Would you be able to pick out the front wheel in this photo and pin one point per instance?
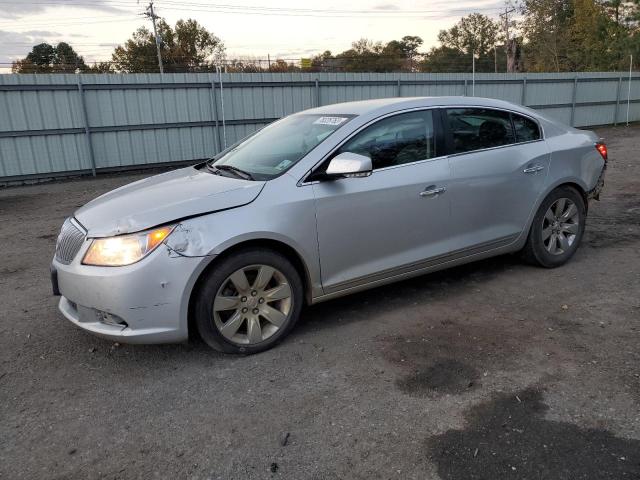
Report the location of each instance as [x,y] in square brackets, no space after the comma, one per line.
[557,228]
[248,302]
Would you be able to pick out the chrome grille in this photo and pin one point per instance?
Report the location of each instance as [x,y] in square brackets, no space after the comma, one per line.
[69,242]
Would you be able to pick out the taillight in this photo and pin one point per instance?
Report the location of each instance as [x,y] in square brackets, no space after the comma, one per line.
[602,149]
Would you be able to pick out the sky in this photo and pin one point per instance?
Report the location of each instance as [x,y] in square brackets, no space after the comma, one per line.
[249,28]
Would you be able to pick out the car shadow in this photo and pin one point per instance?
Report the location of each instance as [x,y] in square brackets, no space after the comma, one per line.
[358,306]
[340,311]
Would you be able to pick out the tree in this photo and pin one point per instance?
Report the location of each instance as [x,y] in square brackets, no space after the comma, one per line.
[322,61]
[578,35]
[189,47]
[45,58]
[404,50]
[475,33]
[450,60]
[100,67]
[368,56]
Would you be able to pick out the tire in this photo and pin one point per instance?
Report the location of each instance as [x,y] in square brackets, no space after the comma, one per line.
[542,248]
[242,316]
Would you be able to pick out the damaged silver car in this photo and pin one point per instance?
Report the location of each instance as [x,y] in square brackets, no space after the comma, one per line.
[320,204]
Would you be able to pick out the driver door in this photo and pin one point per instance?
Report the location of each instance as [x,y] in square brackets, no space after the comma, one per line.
[394,220]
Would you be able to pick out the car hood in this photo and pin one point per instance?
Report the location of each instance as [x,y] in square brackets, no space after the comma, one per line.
[160,199]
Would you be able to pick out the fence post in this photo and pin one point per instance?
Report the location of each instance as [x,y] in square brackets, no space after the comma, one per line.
[617,107]
[87,130]
[465,87]
[573,101]
[224,125]
[399,89]
[317,93]
[629,87]
[214,112]
[523,101]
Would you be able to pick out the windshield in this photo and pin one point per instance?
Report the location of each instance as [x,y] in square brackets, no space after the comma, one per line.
[279,146]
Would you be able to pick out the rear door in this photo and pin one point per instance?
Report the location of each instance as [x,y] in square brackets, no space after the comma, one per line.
[498,166]
[390,222]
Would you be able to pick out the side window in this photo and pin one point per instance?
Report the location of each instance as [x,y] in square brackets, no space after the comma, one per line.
[477,128]
[526,129]
[403,138]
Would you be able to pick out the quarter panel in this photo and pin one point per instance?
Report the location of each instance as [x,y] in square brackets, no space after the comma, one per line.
[574,159]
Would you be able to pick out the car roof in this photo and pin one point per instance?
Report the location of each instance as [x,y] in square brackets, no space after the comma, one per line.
[382,106]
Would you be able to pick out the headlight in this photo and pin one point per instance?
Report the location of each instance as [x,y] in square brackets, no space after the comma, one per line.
[124,249]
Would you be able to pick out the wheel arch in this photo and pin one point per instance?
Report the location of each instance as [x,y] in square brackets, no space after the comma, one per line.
[576,185]
[265,243]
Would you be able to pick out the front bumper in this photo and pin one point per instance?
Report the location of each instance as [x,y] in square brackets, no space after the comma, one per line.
[146,302]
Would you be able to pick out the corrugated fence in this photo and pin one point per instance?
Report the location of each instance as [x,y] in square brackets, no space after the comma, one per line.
[67,124]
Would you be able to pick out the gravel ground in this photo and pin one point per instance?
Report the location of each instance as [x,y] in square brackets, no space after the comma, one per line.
[495,370]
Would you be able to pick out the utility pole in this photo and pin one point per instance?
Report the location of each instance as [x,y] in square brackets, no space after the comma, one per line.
[507,45]
[151,14]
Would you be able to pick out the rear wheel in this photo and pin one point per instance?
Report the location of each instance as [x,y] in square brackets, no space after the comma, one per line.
[557,228]
[249,302]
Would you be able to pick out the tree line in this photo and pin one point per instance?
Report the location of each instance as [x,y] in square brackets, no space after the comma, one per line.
[550,35]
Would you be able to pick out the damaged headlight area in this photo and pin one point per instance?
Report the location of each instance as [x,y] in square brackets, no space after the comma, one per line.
[125,249]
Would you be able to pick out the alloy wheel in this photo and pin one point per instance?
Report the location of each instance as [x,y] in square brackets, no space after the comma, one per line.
[252,304]
[560,226]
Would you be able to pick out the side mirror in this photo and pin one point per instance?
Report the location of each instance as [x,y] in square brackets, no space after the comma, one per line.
[348,164]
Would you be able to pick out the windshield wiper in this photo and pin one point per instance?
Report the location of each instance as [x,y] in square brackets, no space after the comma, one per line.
[211,167]
[230,168]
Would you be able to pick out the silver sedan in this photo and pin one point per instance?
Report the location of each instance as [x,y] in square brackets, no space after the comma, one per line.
[320,204]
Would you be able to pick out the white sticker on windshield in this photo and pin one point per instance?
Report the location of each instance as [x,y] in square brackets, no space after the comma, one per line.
[283,164]
[330,120]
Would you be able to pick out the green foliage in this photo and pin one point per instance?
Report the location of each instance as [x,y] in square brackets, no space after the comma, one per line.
[475,33]
[368,56]
[45,58]
[188,47]
[579,35]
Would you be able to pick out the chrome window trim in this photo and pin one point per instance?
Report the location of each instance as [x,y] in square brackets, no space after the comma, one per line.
[500,109]
[302,182]
[494,148]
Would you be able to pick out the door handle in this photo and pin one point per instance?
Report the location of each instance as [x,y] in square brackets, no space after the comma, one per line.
[534,169]
[431,192]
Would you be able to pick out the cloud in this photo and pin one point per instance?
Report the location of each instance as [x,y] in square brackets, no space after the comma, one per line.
[18,9]
[386,7]
[15,42]
[37,33]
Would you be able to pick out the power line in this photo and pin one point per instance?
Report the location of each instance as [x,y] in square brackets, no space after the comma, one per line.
[268,11]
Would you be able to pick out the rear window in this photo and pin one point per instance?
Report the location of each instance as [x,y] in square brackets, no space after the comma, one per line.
[526,129]
[479,128]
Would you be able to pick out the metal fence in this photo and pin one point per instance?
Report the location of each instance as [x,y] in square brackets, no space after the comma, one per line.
[67,124]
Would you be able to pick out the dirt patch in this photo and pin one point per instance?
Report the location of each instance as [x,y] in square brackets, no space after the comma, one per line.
[508,437]
[616,223]
[450,355]
[48,236]
[444,376]
[10,270]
